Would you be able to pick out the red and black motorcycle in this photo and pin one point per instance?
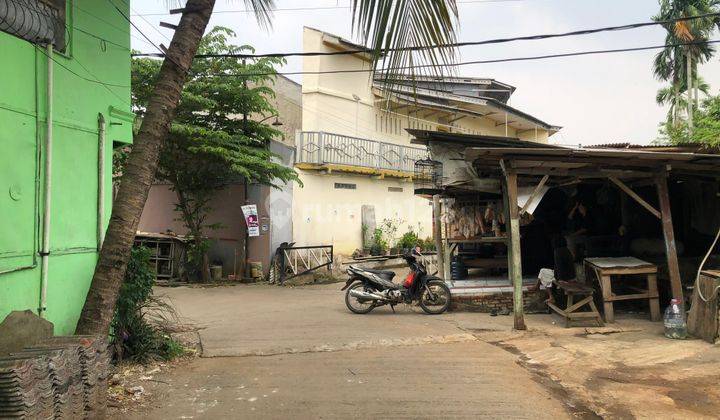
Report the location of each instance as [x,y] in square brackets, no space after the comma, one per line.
[368,289]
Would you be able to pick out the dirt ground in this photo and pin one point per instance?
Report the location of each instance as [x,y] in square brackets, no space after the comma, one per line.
[275,352]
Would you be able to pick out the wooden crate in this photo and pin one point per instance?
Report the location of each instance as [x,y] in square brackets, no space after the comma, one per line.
[704,318]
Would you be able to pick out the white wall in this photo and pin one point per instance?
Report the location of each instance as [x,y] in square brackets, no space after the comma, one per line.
[324,215]
[344,103]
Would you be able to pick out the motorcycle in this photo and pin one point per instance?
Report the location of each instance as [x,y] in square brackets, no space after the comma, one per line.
[368,289]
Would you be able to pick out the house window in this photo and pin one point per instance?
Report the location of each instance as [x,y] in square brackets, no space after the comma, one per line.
[395,189]
[37,21]
[343,186]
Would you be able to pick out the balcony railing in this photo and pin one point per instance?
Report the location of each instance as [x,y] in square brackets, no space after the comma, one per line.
[320,148]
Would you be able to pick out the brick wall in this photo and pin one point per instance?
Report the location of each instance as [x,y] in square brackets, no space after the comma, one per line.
[534,302]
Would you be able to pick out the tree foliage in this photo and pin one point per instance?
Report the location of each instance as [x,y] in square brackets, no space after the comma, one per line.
[218,136]
[135,336]
[707,126]
[670,64]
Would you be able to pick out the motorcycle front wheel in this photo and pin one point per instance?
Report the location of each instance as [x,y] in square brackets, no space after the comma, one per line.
[358,306]
[435,297]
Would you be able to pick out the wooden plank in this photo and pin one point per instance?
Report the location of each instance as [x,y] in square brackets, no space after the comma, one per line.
[634,296]
[556,309]
[634,195]
[704,318]
[584,315]
[578,305]
[606,286]
[514,257]
[669,234]
[534,194]
[479,240]
[654,303]
[626,270]
[437,235]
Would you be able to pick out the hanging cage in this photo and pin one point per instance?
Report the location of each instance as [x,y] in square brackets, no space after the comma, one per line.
[428,177]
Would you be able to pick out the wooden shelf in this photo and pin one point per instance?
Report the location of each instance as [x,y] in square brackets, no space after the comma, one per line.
[486,262]
[479,240]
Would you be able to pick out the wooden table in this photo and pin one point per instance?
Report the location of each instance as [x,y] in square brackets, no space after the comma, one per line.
[606,268]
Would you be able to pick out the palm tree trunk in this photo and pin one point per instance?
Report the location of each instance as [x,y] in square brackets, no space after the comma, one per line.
[689,93]
[696,83]
[676,100]
[139,172]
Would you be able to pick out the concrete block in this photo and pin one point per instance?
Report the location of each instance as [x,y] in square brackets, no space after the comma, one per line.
[22,329]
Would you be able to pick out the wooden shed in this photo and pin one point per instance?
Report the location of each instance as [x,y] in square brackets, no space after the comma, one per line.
[500,167]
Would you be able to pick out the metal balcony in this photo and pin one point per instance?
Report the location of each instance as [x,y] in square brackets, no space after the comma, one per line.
[320,150]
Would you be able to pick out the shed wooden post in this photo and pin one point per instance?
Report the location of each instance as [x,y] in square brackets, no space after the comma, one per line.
[513,244]
[669,234]
[437,234]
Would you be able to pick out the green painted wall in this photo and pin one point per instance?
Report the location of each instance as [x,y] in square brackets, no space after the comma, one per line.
[99,49]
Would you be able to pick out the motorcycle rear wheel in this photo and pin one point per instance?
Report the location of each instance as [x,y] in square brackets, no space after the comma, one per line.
[354,303]
[439,302]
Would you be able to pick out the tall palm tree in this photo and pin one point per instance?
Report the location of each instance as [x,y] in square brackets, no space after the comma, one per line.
[678,64]
[667,96]
[382,24]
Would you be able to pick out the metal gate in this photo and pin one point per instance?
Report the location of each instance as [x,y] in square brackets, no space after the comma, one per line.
[293,261]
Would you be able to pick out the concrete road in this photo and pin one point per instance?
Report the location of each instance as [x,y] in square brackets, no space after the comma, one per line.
[265,320]
[298,353]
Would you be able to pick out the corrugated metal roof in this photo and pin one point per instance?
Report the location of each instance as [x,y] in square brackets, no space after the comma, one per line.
[423,137]
[680,147]
[597,162]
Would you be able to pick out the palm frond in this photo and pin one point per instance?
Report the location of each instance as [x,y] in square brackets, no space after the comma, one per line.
[407,36]
[261,8]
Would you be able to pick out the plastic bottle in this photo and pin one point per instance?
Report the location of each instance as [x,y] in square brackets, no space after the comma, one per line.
[674,319]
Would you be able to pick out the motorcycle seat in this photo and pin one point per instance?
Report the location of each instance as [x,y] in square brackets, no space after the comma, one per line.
[384,274]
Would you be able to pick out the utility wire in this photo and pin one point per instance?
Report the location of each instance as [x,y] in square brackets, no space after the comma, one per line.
[189,71]
[109,24]
[314,8]
[465,63]
[95,80]
[135,26]
[457,44]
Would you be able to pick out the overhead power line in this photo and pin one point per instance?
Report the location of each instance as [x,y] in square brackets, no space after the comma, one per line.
[492,61]
[465,63]
[317,8]
[456,45]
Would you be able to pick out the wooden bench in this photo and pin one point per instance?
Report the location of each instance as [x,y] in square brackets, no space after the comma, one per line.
[572,311]
[606,268]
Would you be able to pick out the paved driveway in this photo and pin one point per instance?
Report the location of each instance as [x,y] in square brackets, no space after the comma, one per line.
[272,352]
[265,320]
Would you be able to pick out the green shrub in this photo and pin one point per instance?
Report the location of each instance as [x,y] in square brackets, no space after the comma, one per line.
[134,336]
[428,244]
[409,240]
[379,245]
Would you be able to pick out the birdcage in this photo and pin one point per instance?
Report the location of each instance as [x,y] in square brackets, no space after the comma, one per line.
[428,176]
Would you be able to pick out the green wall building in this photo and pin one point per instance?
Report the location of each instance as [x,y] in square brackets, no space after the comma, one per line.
[89,83]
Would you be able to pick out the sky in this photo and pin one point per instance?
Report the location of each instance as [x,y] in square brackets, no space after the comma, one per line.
[596,99]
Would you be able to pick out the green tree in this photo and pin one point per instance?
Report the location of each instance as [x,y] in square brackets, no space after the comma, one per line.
[214,141]
[678,64]
[707,126]
[381,24]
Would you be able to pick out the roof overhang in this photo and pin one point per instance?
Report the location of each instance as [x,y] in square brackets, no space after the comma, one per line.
[562,162]
[471,140]
[480,106]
